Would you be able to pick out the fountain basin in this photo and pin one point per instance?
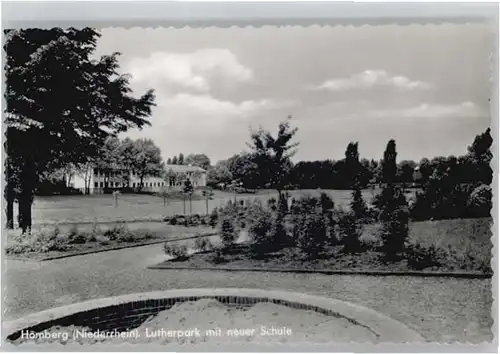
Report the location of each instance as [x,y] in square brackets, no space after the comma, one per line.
[287,317]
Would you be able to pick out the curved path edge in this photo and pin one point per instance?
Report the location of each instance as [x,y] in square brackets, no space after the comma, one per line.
[467,275]
[107,249]
[388,329]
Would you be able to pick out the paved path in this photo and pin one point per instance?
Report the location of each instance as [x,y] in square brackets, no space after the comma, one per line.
[439,308]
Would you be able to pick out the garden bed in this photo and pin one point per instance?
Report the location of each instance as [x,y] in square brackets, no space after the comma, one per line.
[53,243]
[240,257]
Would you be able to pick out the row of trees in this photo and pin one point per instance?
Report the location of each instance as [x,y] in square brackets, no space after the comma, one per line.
[62,105]
[200,160]
[470,168]
[118,157]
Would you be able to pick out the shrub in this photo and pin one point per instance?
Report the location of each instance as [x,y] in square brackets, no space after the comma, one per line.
[75,237]
[420,257]
[45,241]
[181,220]
[479,202]
[119,233]
[179,252]
[311,233]
[214,217]
[395,219]
[227,231]
[126,236]
[272,204]
[217,257]
[73,231]
[114,233]
[327,203]
[263,228]
[358,205]
[444,198]
[203,244]
[349,232]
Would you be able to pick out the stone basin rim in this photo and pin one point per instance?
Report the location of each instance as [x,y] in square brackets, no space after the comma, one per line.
[387,328]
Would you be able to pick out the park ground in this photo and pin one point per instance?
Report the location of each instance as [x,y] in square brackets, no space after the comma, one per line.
[143,207]
[441,309]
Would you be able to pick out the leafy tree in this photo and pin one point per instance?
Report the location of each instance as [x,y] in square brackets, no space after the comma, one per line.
[200,160]
[244,169]
[174,161]
[315,174]
[65,101]
[128,155]
[425,169]
[146,160]
[169,161]
[366,173]
[272,154]
[219,174]
[187,190]
[480,156]
[352,167]
[109,155]
[405,171]
[389,168]
[180,160]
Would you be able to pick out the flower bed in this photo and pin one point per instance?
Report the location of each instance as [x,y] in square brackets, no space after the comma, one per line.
[48,242]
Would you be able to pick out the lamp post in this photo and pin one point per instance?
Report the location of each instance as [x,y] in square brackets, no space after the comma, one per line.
[115,197]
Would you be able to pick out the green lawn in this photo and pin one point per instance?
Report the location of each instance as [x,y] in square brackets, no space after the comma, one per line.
[132,207]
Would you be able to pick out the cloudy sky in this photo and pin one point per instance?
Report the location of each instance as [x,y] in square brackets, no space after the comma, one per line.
[425,86]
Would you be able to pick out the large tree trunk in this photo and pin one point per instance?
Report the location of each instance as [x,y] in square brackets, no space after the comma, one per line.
[141,182]
[9,196]
[26,195]
[24,217]
[9,210]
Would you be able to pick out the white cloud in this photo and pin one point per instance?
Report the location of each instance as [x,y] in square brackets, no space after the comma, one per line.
[195,71]
[201,107]
[370,79]
[201,123]
[462,110]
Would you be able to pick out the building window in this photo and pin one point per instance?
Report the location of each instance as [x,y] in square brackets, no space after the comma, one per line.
[133,184]
[101,184]
[96,184]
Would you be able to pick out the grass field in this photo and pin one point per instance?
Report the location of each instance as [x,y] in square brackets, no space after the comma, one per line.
[133,207]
